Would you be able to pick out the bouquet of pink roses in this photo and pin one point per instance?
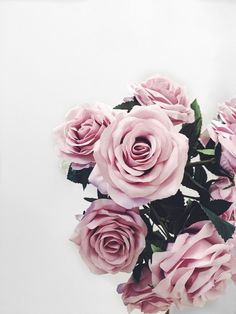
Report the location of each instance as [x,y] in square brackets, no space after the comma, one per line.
[165,208]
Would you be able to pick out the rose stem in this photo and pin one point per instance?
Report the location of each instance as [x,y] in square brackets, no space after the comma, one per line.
[198,163]
[192,197]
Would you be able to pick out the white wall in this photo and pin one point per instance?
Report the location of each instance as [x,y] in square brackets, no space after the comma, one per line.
[54,54]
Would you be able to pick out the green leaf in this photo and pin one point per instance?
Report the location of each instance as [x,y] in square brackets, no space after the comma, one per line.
[155,248]
[100,195]
[218,152]
[190,181]
[89,199]
[219,206]
[195,214]
[200,175]
[79,176]
[196,108]
[193,130]
[168,212]
[207,152]
[137,271]
[128,105]
[224,228]
[215,166]
[169,206]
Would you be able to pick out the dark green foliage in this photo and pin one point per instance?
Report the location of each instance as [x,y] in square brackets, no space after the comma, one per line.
[89,199]
[128,105]
[224,228]
[217,207]
[79,176]
[100,195]
[193,130]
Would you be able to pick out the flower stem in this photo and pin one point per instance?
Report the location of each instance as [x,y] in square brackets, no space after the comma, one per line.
[201,162]
[162,225]
[196,183]
[192,197]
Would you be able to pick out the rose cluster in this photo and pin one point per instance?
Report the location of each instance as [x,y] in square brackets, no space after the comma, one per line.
[141,156]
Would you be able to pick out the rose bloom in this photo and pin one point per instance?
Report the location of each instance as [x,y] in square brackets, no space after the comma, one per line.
[223,130]
[228,156]
[139,295]
[230,215]
[228,145]
[110,238]
[195,268]
[225,123]
[140,157]
[227,111]
[221,190]
[168,96]
[81,129]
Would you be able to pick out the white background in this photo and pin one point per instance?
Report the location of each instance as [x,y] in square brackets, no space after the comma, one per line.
[53,55]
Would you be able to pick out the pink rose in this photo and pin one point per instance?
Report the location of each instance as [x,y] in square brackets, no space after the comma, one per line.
[221,190]
[227,111]
[141,157]
[82,128]
[223,130]
[169,97]
[230,216]
[195,268]
[228,156]
[217,129]
[110,238]
[139,295]
[225,123]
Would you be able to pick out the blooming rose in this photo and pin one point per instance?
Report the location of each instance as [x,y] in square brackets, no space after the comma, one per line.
[218,129]
[82,128]
[141,157]
[225,123]
[228,156]
[228,146]
[169,97]
[110,238]
[223,130]
[230,216]
[139,295]
[227,111]
[221,190]
[195,268]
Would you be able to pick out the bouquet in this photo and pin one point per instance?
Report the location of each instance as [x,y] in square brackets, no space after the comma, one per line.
[165,206]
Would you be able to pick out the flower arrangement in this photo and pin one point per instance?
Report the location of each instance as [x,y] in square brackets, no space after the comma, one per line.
[165,209]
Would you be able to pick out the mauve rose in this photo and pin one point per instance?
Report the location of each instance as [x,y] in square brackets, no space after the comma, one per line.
[227,111]
[139,295]
[81,129]
[225,123]
[230,215]
[168,96]
[223,130]
[140,157]
[228,156]
[110,237]
[218,129]
[195,268]
[222,189]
